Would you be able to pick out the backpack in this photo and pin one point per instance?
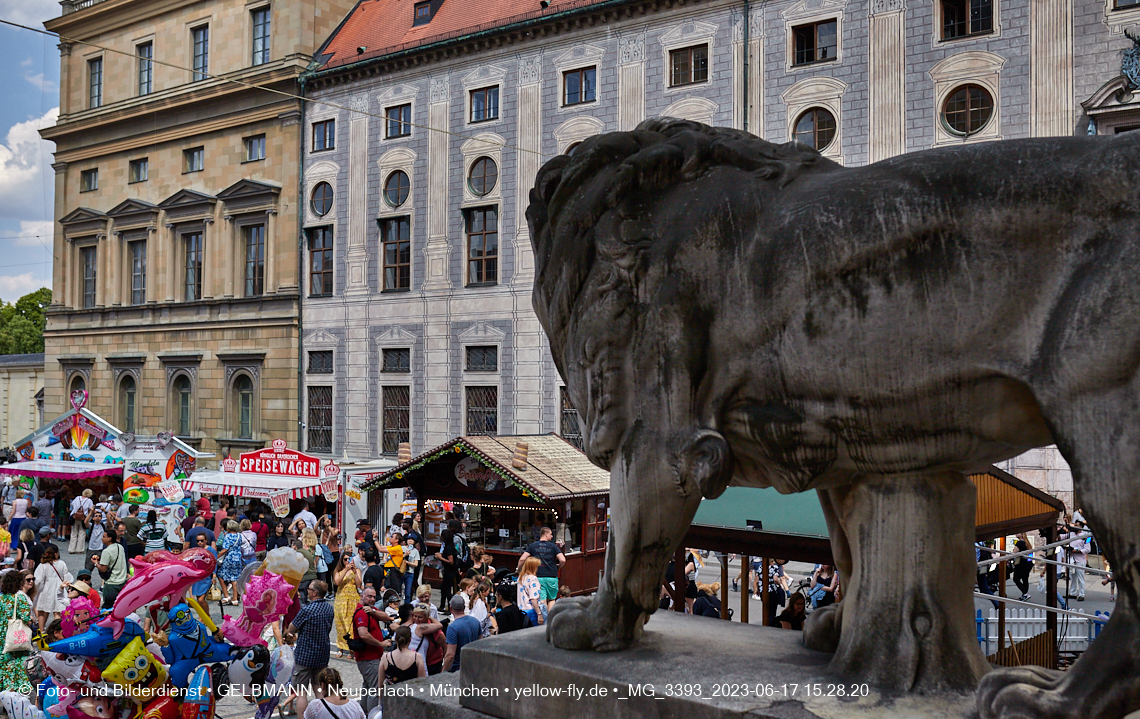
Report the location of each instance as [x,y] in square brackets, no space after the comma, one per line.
[463,560]
[79,514]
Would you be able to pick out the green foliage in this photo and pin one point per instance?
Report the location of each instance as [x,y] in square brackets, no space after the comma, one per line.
[22,324]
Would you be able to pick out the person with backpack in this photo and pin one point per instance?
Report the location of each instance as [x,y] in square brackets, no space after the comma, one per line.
[454,559]
[80,507]
[394,567]
[507,616]
[1022,566]
[707,604]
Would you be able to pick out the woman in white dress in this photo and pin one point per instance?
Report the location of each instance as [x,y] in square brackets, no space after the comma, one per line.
[51,576]
[331,700]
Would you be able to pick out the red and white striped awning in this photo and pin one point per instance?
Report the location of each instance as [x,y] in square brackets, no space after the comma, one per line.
[256,486]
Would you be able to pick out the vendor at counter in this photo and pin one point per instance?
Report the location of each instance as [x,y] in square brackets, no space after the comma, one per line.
[551,557]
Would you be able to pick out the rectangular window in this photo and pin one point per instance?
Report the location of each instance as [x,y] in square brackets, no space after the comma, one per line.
[571,423]
[138,272]
[183,389]
[397,418]
[397,359]
[321,362]
[482,246]
[254,260]
[320,419]
[399,121]
[596,525]
[192,244]
[321,262]
[690,65]
[146,68]
[201,38]
[483,358]
[580,86]
[129,406]
[245,408]
[1121,4]
[485,104]
[261,36]
[423,13]
[139,170]
[88,257]
[324,135]
[95,82]
[254,148]
[961,18]
[397,253]
[89,180]
[194,159]
[482,410]
[815,42]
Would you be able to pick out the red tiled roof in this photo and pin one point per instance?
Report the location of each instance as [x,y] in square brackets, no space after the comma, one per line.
[385,26]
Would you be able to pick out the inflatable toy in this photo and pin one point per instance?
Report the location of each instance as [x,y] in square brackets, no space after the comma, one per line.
[18,706]
[266,599]
[138,671]
[199,701]
[89,706]
[190,644]
[162,708]
[170,578]
[70,670]
[248,672]
[98,642]
[276,683]
[76,617]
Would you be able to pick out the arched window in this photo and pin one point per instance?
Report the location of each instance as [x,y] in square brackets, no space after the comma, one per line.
[967,109]
[243,404]
[182,396]
[815,128]
[128,402]
[77,382]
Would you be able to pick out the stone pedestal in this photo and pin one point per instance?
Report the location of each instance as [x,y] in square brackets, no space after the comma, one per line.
[685,667]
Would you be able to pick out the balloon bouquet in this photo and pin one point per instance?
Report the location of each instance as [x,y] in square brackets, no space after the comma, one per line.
[108,667]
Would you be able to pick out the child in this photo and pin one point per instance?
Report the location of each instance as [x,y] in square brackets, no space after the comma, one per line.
[563,592]
[5,538]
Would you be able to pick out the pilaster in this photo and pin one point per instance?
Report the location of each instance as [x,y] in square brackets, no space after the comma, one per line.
[887,72]
[356,260]
[631,80]
[1051,107]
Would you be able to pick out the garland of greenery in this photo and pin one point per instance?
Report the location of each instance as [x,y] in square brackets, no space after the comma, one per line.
[462,448]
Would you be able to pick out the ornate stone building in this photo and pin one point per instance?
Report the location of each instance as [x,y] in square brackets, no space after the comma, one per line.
[176,299]
[430,119]
[21,396]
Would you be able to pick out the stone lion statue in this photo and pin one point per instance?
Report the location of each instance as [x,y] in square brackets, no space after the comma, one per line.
[726,311]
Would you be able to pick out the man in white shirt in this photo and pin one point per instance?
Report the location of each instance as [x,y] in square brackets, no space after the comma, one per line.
[123,508]
[80,507]
[307,517]
[1078,555]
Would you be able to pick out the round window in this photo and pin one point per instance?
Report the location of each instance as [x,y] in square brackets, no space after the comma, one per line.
[396,188]
[815,128]
[967,109]
[484,175]
[322,198]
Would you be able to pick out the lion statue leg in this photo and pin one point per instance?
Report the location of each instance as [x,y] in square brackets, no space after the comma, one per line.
[1100,439]
[657,480]
[904,549]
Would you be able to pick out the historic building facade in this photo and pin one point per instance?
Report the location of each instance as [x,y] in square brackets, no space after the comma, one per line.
[176,298]
[21,396]
[426,128]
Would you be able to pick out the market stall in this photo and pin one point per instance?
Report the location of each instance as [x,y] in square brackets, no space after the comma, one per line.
[276,474]
[508,487]
[80,450]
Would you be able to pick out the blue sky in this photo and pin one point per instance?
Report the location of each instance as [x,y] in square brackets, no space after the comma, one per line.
[29,100]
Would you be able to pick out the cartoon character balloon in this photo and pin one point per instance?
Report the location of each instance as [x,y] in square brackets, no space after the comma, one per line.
[249,670]
[170,578]
[71,669]
[280,674]
[190,645]
[76,616]
[136,669]
[266,599]
[90,706]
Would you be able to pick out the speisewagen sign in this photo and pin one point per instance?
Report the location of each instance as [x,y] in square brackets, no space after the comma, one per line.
[279,460]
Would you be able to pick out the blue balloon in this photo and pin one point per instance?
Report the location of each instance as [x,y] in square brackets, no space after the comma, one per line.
[98,642]
[190,644]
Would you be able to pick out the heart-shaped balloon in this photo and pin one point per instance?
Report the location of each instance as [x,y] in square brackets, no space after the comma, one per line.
[164,439]
[78,399]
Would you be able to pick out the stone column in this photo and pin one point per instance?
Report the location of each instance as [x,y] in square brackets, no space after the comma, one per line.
[60,280]
[748,101]
[1051,107]
[437,286]
[270,254]
[115,248]
[170,253]
[208,254]
[356,260]
[151,269]
[229,258]
[103,270]
[887,73]
[631,81]
[528,353]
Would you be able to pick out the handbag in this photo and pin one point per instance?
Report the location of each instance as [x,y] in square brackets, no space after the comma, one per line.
[61,591]
[18,637]
[355,643]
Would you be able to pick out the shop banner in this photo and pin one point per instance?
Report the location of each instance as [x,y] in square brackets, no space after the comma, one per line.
[331,489]
[171,491]
[280,502]
[278,460]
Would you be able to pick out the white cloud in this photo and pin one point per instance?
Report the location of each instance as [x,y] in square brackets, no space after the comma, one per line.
[34,233]
[26,177]
[13,287]
[32,13]
[43,84]
[26,62]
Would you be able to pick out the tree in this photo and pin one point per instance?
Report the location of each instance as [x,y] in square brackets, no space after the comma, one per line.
[22,324]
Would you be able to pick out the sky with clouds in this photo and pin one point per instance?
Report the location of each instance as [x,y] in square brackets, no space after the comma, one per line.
[29,100]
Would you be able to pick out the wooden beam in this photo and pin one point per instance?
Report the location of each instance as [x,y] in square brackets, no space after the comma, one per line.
[759,543]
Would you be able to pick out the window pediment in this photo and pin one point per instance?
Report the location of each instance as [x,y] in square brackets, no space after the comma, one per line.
[808,9]
[397,93]
[83,219]
[579,56]
[247,194]
[688,32]
[397,336]
[188,204]
[485,75]
[482,332]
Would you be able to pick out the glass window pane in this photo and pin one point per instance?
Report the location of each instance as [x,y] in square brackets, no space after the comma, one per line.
[589,85]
